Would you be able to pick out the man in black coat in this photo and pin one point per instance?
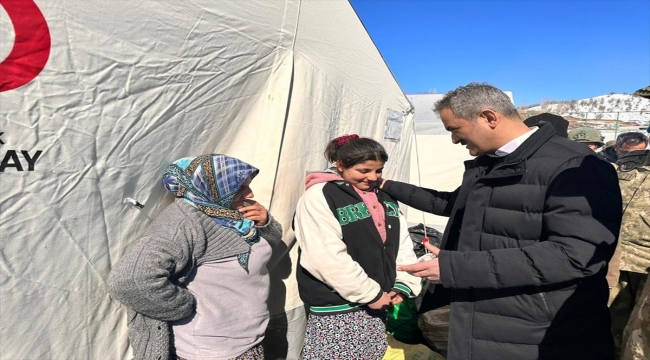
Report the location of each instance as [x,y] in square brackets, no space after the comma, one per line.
[531,229]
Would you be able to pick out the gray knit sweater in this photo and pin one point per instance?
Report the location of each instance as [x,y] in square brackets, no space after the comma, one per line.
[148,278]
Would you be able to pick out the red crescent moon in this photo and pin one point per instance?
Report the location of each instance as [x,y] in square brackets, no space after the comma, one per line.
[31,48]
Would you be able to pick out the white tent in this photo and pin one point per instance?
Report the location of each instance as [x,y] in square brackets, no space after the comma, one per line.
[126,88]
[436,163]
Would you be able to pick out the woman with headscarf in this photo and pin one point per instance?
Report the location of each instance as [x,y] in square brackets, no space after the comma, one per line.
[196,285]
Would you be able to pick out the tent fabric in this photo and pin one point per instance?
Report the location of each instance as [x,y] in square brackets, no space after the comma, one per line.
[436,162]
[130,87]
[440,167]
[427,122]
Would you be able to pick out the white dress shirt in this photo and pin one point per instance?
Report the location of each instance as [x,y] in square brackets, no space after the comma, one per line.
[510,147]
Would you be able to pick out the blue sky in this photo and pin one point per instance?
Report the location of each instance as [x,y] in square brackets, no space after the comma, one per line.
[539,50]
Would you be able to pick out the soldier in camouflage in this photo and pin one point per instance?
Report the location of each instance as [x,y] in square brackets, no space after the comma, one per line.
[588,136]
[634,238]
[636,338]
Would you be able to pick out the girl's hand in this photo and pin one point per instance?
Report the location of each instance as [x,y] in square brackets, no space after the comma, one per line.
[382,303]
[395,297]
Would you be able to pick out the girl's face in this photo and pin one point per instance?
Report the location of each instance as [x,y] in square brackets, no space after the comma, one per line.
[362,175]
[244,193]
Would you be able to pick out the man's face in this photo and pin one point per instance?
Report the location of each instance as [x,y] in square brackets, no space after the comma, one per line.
[626,149]
[474,135]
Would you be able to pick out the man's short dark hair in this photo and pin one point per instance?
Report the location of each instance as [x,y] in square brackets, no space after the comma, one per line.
[631,139]
[467,102]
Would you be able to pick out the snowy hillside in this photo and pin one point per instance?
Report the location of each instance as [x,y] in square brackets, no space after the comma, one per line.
[602,112]
[606,107]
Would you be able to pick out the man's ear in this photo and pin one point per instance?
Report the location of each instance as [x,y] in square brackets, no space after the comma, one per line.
[490,117]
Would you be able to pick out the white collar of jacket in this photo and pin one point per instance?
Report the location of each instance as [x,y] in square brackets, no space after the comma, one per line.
[510,147]
[515,163]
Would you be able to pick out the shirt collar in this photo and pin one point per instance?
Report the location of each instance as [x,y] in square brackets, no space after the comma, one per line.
[510,147]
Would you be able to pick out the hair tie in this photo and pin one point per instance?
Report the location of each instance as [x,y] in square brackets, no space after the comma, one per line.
[345,138]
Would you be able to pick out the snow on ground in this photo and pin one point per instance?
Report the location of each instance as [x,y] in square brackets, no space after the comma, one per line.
[613,112]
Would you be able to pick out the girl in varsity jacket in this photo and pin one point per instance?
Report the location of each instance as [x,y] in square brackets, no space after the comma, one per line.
[352,238]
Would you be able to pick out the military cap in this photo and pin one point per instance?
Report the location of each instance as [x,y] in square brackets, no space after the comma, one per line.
[587,135]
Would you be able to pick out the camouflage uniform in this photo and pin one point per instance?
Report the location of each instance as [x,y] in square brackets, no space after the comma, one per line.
[613,274]
[633,175]
[634,238]
[636,338]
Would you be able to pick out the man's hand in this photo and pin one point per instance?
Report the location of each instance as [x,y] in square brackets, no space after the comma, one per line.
[379,183]
[382,303]
[427,269]
[255,212]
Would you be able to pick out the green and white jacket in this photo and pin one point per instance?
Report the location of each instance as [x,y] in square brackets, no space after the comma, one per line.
[343,262]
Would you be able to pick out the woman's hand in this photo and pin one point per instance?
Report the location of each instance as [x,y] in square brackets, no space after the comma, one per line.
[383,302]
[255,212]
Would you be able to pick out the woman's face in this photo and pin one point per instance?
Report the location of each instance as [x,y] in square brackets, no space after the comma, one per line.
[244,193]
[362,175]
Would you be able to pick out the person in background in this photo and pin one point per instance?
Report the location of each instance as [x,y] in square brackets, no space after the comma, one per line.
[636,336]
[633,168]
[531,228]
[352,237]
[560,124]
[609,151]
[625,144]
[629,142]
[196,285]
[588,136]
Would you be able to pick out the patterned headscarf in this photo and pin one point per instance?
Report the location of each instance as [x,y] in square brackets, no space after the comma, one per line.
[209,183]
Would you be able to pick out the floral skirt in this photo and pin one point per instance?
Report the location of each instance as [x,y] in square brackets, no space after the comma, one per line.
[255,353]
[356,335]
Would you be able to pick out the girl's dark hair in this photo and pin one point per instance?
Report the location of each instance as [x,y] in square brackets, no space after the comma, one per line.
[355,151]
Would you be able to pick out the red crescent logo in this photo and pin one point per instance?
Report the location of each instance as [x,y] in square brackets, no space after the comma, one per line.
[31,46]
